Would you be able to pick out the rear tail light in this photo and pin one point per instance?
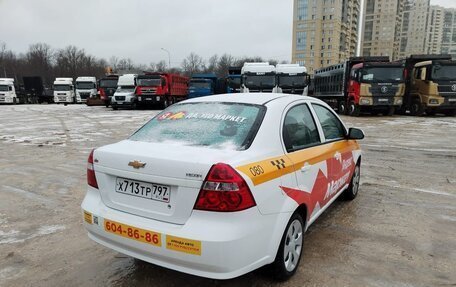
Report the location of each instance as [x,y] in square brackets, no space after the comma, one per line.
[224,190]
[91,179]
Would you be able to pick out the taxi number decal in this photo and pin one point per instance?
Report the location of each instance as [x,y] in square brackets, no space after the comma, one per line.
[256,170]
[138,234]
[183,245]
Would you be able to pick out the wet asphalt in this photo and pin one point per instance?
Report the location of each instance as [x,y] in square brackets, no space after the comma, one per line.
[399,231]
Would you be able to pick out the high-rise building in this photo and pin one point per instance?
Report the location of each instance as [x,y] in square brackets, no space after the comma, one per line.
[413,34]
[448,45]
[381,28]
[434,30]
[325,32]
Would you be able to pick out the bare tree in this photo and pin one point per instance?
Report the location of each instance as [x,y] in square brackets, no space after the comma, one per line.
[224,63]
[193,64]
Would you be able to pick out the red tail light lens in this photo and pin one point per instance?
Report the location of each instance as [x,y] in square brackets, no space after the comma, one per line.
[224,190]
[91,179]
[102,94]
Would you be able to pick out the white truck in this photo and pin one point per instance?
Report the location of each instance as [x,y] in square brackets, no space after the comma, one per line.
[64,91]
[86,87]
[292,79]
[7,91]
[125,93]
[258,77]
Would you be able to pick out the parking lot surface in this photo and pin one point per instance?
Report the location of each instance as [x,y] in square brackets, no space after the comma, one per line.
[400,231]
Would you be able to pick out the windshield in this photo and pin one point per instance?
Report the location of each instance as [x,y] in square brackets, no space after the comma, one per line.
[127,89]
[108,83]
[234,83]
[3,88]
[259,81]
[62,88]
[149,82]
[292,81]
[85,85]
[200,84]
[215,125]
[382,74]
[444,72]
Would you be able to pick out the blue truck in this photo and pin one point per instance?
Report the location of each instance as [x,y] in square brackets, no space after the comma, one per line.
[233,80]
[202,85]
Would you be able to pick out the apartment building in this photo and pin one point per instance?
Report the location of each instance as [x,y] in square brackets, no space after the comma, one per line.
[435,30]
[413,33]
[448,44]
[325,32]
[381,28]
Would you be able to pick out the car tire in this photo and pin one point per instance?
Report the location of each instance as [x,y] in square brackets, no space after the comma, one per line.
[352,191]
[353,109]
[417,109]
[290,249]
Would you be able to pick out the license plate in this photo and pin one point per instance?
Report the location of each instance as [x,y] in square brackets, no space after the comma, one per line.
[382,100]
[148,99]
[452,100]
[134,233]
[142,189]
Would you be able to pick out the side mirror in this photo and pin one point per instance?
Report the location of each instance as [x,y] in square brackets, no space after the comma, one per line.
[355,134]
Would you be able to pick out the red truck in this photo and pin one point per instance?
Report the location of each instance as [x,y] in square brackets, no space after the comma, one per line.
[161,89]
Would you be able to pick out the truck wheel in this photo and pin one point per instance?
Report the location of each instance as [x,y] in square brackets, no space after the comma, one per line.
[134,106]
[290,249]
[353,109]
[14,101]
[114,108]
[450,113]
[352,191]
[431,112]
[417,109]
[165,103]
[342,108]
[389,111]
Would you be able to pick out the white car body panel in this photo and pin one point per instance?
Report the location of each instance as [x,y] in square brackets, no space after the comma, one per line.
[233,243]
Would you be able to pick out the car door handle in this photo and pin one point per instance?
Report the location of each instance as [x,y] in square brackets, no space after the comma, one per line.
[306,168]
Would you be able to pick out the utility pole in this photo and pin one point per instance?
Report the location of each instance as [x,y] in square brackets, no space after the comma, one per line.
[169,57]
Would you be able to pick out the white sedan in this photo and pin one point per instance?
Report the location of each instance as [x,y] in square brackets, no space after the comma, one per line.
[222,185]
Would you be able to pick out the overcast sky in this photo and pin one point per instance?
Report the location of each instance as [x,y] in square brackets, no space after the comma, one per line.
[137,29]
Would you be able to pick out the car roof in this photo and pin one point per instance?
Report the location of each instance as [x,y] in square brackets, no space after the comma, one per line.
[248,98]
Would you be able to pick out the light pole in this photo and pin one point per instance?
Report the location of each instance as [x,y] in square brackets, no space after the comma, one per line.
[169,57]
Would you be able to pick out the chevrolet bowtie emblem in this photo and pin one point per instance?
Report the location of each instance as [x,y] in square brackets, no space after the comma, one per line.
[136,164]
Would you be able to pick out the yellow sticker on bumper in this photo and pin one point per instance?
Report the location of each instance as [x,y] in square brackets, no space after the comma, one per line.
[88,217]
[183,245]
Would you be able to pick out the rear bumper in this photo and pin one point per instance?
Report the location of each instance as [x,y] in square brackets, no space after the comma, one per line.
[231,244]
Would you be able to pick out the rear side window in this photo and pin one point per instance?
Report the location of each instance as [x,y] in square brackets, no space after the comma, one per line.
[332,127]
[299,130]
[215,125]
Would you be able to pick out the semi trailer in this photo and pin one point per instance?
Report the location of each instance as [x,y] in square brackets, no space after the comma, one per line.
[430,85]
[372,84]
[64,91]
[86,87]
[292,79]
[258,77]
[162,89]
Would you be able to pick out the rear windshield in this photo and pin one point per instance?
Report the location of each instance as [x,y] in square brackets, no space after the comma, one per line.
[214,125]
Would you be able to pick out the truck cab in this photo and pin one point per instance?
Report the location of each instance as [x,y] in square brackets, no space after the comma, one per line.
[433,88]
[7,91]
[125,93]
[376,87]
[202,85]
[64,91]
[258,77]
[107,86]
[86,87]
[292,79]
[233,80]
[151,89]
